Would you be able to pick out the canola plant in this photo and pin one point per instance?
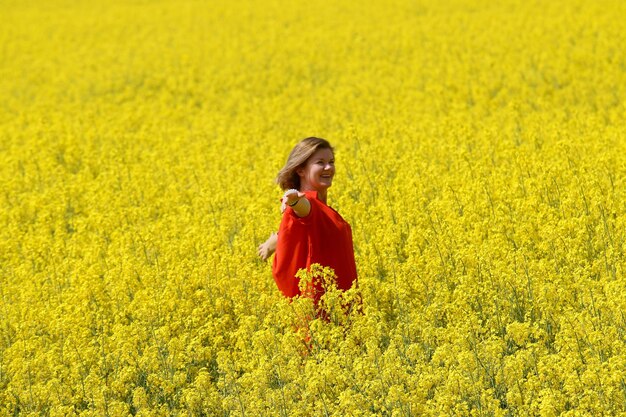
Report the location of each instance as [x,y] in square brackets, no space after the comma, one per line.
[480,154]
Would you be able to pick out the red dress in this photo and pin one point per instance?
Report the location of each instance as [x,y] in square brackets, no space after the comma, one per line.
[322,237]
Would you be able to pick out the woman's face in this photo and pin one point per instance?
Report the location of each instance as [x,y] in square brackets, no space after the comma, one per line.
[318,172]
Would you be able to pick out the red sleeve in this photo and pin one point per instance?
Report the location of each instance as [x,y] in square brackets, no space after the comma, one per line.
[293,248]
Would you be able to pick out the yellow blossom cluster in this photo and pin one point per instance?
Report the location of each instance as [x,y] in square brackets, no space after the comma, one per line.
[481,162]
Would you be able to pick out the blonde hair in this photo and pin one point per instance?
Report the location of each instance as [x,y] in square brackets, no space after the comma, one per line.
[288,177]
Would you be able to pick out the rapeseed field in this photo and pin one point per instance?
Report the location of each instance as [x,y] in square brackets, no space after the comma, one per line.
[481,161]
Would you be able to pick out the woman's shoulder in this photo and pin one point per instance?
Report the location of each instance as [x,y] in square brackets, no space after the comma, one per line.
[311,194]
[314,199]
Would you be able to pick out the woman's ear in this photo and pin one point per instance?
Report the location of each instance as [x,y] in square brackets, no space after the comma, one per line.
[300,172]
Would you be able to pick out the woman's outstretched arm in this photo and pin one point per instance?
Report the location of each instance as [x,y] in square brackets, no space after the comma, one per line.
[300,205]
[298,202]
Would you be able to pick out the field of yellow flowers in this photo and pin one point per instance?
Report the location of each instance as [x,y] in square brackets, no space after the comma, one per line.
[481,161]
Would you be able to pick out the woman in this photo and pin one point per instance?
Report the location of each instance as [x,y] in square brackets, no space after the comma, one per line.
[310,231]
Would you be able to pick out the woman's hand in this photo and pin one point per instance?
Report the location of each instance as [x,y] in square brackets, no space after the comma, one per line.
[290,198]
[268,247]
